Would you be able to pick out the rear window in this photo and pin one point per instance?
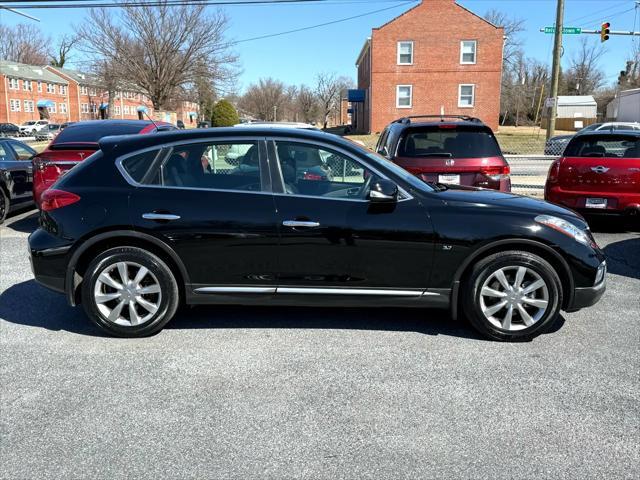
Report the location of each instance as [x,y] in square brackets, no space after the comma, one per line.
[604,146]
[457,142]
[90,133]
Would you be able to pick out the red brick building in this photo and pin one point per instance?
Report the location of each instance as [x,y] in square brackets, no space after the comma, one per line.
[437,56]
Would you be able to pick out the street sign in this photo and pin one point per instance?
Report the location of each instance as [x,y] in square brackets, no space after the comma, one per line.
[565,30]
[549,102]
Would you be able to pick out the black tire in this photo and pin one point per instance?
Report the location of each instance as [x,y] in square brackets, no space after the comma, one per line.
[510,261]
[4,206]
[167,299]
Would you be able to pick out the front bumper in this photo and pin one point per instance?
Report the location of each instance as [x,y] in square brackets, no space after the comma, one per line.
[587,296]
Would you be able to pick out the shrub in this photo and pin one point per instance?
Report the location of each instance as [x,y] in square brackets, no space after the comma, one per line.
[224,115]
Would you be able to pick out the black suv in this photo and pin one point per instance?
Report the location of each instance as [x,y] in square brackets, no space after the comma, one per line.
[149,222]
[451,149]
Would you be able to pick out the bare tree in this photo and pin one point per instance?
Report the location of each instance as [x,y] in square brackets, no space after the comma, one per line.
[584,75]
[24,43]
[161,48]
[328,89]
[513,27]
[264,99]
[307,104]
[61,56]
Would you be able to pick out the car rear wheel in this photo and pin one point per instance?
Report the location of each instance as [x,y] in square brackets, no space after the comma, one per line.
[4,206]
[129,292]
[512,296]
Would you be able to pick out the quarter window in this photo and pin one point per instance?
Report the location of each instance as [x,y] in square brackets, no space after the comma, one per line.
[405,53]
[315,171]
[404,96]
[468,52]
[466,96]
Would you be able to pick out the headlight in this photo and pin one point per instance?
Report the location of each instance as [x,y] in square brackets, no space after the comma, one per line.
[567,228]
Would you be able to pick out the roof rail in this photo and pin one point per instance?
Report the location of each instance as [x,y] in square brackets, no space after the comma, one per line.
[466,118]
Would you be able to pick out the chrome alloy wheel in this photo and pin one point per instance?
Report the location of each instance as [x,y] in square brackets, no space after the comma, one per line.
[130,285]
[514,298]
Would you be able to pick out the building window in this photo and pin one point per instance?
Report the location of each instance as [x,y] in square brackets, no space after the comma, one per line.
[63,89]
[63,108]
[404,96]
[26,85]
[84,90]
[52,108]
[116,110]
[94,108]
[84,107]
[15,105]
[466,96]
[126,109]
[405,53]
[39,86]
[14,83]
[51,88]
[28,106]
[92,91]
[468,52]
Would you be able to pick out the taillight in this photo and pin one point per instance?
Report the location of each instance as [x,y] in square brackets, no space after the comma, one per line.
[52,199]
[497,173]
[313,176]
[554,172]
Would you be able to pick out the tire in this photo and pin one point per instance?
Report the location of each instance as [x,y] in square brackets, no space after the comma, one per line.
[4,206]
[151,310]
[484,291]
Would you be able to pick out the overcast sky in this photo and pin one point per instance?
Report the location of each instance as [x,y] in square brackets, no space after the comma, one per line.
[296,58]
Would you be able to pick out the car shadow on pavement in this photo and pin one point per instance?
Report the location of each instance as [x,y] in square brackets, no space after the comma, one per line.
[623,257]
[22,224]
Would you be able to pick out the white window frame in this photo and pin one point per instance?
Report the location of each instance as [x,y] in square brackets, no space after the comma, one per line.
[93,92]
[29,106]
[27,86]
[51,88]
[53,108]
[14,84]
[116,110]
[398,87]
[473,95]
[14,105]
[475,52]
[84,108]
[39,86]
[63,108]
[401,42]
[84,90]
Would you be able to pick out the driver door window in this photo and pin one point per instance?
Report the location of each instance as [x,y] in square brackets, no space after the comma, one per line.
[311,170]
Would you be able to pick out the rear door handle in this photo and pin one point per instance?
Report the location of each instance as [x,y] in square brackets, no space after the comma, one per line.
[300,223]
[160,216]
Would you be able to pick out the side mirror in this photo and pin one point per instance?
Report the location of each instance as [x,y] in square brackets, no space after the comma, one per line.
[384,152]
[383,191]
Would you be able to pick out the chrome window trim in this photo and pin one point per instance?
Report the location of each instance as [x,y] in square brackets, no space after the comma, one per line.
[235,290]
[385,292]
[165,146]
[406,196]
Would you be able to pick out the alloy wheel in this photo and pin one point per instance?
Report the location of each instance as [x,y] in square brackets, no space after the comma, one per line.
[514,298]
[127,294]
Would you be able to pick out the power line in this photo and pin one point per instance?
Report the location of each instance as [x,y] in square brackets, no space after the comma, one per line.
[70,4]
[589,15]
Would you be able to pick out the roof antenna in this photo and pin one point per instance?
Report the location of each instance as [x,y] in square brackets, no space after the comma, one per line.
[442,113]
[149,117]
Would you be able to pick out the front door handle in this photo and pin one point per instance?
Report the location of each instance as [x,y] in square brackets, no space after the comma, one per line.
[160,216]
[300,223]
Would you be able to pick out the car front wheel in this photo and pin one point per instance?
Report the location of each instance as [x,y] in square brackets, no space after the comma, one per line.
[512,296]
[129,292]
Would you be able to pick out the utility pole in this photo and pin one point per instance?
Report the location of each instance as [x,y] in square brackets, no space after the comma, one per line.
[555,69]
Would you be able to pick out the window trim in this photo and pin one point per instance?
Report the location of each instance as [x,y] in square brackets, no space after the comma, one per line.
[475,52]
[473,95]
[400,42]
[398,96]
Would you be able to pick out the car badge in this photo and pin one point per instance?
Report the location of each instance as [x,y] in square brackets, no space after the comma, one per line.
[81,155]
[450,162]
[600,169]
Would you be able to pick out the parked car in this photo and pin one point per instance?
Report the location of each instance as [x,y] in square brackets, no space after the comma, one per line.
[77,142]
[180,124]
[599,172]
[48,133]
[144,224]
[65,125]
[556,145]
[16,175]
[32,126]
[254,124]
[454,150]
[9,130]
[203,125]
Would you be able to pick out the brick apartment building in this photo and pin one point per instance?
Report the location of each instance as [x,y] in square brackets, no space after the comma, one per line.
[30,92]
[437,56]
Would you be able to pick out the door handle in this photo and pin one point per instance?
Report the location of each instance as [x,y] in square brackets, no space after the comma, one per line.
[160,216]
[300,223]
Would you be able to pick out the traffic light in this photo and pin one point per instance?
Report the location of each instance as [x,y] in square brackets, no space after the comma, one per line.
[604,32]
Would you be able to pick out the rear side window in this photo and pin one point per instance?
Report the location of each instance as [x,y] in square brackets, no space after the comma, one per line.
[449,142]
[91,133]
[604,146]
[138,166]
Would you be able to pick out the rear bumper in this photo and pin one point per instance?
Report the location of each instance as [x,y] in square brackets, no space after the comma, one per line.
[48,259]
[617,203]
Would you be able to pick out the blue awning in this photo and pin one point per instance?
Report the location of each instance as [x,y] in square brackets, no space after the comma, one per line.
[104,106]
[142,108]
[45,103]
[192,114]
[356,95]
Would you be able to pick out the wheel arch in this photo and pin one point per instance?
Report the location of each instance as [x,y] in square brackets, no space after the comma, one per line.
[81,258]
[532,246]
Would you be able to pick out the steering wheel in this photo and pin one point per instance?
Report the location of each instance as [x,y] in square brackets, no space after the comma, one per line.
[366,186]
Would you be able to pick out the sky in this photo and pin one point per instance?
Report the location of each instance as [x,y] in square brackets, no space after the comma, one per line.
[297,57]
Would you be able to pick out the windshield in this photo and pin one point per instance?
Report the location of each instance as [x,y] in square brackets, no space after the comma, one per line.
[29,123]
[611,146]
[415,182]
[449,141]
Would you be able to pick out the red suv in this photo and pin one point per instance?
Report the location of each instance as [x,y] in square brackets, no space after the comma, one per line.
[76,142]
[598,173]
[449,149]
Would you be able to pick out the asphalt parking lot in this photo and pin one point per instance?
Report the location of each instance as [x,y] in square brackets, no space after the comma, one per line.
[321,394]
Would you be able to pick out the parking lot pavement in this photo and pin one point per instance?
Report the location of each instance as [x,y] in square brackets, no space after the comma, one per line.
[323,393]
